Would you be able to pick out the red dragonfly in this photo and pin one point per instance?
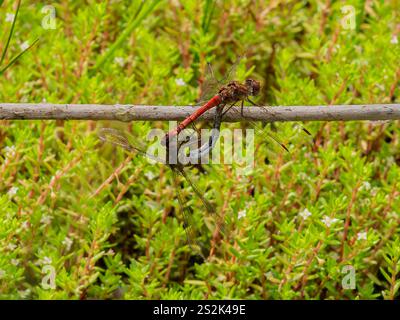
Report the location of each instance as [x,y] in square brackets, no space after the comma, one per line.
[118,138]
[230,93]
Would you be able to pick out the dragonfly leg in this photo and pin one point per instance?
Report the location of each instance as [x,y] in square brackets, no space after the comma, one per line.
[226,111]
[302,128]
[253,103]
[260,130]
[242,109]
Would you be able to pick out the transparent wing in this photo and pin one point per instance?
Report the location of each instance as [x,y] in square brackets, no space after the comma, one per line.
[212,84]
[209,207]
[231,73]
[115,137]
[206,148]
[118,138]
[260,131]
[187,219]
[271,112]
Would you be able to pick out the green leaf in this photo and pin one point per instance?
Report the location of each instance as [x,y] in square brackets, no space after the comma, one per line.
[132,25]
[13,60]
[396,288]
[10,34]
[387,277]
[235,252]
[208,12]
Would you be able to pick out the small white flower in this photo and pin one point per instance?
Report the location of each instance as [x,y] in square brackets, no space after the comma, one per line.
[221,277]
[15,262]
[329,221]
[24,293]
[46,219]
[149,175]
[366,186]
[11,246]
[241,214]
[10,17]
[67,242]
[2,273]
[24,45]
[12,192]
[25,225]
[305,214]
[394,40]
[180,82]
[120,61]
[9,151]
[374,191]
[362,236]
[46,260]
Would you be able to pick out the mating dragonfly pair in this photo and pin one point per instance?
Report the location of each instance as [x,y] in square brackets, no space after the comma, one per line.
[230,93]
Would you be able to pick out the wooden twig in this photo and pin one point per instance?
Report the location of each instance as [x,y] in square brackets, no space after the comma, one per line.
[31,111]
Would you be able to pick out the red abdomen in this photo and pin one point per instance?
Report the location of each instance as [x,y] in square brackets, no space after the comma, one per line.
[213,102]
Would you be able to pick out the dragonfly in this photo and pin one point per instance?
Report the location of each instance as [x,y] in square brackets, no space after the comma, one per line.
[230,93]
[118,138]
[233,92]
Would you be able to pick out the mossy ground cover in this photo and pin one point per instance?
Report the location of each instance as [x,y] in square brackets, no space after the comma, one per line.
[320,222]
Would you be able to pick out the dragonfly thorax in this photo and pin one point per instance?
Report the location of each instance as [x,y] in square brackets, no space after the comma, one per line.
[235,91]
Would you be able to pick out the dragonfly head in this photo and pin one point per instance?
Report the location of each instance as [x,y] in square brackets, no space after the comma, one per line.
[253,86]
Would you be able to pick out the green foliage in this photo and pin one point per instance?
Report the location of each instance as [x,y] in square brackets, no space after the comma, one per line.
[109,226]
[10,34]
